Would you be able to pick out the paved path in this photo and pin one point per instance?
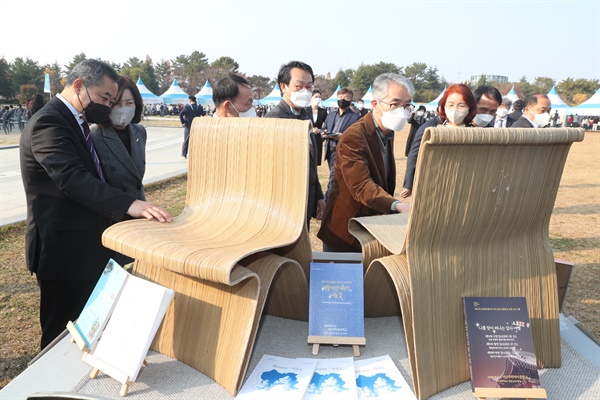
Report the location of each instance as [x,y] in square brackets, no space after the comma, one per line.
[163,160]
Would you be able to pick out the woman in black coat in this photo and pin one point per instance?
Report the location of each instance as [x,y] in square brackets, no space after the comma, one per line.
[416,120]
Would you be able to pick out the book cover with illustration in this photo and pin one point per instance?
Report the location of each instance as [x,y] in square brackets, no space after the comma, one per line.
[277,378]
[500,343]
[333,379]
[379,378]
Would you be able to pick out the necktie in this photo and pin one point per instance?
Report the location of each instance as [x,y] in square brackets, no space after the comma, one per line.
[90,146]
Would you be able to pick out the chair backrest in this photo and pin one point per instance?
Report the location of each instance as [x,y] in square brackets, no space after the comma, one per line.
[492,186]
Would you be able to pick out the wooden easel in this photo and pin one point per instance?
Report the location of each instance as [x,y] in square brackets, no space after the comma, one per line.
[336,341]
[99,365]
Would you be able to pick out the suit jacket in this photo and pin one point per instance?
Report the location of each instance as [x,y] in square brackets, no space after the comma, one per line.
[351,117]
[522,123]
[122,170]
[411,160]
[68,206]
[509,121]
[361,186]
[321,115]
[187,115]
[315,193]
[515,115]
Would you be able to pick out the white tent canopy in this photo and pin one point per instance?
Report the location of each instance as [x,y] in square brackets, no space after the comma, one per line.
[147,96]
[590,107]
[433,104]
[272,98]
[512,95]
[555,99]
[368,97]
[331,101]
[174,95]
[204,96]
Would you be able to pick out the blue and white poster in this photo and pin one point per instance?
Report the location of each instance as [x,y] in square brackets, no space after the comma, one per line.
[336,300]
[333,379]
[379,378]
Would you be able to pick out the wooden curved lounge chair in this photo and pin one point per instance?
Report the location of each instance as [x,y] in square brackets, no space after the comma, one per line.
[246,200]
[478,226]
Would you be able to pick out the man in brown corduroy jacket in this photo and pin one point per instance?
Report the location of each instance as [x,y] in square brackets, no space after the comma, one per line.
[365,170]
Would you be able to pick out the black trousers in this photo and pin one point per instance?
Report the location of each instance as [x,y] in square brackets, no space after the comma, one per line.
[61,302]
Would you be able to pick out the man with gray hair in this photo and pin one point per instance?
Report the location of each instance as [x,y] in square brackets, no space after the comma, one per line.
[364,169]
[503,118]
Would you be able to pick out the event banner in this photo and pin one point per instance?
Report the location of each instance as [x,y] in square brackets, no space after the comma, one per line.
[336,302]
[500,344]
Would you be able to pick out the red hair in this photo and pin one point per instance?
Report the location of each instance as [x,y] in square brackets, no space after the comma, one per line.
[466,94]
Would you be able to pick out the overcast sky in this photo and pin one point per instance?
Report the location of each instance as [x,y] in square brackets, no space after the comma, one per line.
[556,39]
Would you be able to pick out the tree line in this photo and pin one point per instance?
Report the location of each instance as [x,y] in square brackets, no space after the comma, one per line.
[23,77]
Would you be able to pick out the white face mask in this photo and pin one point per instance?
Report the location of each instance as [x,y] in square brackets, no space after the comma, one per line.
[420,113]
[394,119]
[246,114]
[456,116]
[301,98]
[541,119]
[502,112]
[482,120]
[315,101]
[122,116]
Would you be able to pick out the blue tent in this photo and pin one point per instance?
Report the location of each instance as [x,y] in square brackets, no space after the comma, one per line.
[433,104]
[147,96]
[205,95]
[331,101]
[512,95]
[272,98]
[590,107]
[174,95]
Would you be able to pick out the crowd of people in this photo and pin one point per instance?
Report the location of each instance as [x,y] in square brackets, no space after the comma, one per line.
[82,161]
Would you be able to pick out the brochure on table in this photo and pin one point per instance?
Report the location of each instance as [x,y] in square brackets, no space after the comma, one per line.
[333,379]
[277,378]
[501,352]
[380,378]
[134,309]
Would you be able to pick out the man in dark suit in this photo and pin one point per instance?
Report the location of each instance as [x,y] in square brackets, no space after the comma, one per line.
[517,110]
[295,80]
[361,108]
[488,99]
[365,171]
[69,204]
[502,118]
[233,97]
[186,116]
[536,113]
[336,124]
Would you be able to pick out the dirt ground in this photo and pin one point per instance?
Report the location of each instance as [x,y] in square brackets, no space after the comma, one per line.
[574,235]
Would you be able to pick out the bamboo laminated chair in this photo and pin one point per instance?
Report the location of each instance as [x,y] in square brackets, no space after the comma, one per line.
[246,195]
[478,226]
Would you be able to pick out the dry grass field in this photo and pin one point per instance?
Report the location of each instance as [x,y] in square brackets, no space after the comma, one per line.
[574,234]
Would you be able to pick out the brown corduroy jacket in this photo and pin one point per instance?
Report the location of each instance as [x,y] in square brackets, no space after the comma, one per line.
[361,187]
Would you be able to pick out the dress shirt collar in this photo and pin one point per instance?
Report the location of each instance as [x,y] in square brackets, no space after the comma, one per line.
[78,116]
[383,138]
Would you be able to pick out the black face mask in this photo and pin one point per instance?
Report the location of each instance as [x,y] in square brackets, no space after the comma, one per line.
[344,103]
[95,113]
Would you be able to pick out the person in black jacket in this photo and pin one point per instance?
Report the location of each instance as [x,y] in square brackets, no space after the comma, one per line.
[186,116]
[416,120]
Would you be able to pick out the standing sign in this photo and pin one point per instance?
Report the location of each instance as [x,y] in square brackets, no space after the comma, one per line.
[336,305]
[501,352]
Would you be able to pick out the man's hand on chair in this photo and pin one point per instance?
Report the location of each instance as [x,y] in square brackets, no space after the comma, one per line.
[145,209]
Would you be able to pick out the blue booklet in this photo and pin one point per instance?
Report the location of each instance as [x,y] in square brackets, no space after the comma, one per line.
[336,300]
[100,305]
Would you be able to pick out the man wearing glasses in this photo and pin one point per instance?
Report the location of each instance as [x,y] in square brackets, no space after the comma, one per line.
[364,169]
[295,80]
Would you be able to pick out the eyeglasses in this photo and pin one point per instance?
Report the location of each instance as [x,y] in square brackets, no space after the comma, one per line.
[460,106]
[395,105]
[310,87]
